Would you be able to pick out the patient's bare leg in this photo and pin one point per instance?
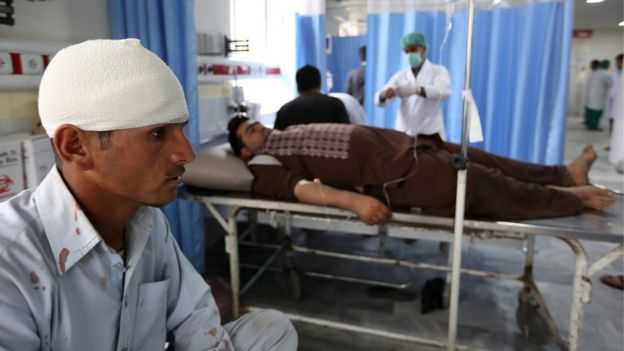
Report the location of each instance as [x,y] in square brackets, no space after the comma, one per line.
[579,168]
[590,196]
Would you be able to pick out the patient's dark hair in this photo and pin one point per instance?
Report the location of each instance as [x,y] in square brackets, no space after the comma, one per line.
[235,142]
[308,77]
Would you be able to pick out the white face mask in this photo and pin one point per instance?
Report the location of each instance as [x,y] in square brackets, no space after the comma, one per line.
[414,59]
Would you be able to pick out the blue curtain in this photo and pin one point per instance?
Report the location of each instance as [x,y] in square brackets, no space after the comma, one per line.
[167,28]
[344,57]
[310,43]
[520,69]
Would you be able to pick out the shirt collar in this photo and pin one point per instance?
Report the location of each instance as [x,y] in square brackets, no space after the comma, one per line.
[69,231]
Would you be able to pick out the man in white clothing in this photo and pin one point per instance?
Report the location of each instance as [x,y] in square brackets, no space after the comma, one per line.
[616,91]
[616,112]
[356,112]
[422,87]
[597,95]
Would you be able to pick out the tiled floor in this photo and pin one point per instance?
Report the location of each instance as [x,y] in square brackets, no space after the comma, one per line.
[487,307]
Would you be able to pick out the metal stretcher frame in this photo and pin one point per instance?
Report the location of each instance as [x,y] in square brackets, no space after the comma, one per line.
[605,227]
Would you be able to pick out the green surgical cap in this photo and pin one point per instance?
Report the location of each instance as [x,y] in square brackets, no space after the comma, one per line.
[414,38]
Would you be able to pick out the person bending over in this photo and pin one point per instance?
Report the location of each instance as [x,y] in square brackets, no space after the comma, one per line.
[364,169]
[87,260]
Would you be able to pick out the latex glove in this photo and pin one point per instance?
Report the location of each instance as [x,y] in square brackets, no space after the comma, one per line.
[407,90]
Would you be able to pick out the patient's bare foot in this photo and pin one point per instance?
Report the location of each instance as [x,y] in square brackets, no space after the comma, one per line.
[579,168]
[591,197]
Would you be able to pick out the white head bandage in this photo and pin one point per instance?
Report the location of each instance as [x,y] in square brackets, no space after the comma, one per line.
[102,85]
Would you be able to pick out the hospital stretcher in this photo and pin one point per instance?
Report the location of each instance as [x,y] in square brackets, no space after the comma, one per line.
[228,208]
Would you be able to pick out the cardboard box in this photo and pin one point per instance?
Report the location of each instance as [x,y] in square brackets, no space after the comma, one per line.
[34,160]
[11,168]
[38,159]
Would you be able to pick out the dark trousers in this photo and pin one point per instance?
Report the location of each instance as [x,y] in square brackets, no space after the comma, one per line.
[592,118]
[496,188]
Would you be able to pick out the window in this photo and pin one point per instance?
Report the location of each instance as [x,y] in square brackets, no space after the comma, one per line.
[270,27]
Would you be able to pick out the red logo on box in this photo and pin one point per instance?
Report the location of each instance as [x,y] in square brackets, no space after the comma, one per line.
[5,184]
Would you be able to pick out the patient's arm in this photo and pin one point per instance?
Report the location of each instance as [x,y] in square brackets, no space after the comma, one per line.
[368,209]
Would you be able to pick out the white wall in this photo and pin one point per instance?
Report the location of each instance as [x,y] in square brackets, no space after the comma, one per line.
[59,21]
[212,16]
[603,45]
[46,26]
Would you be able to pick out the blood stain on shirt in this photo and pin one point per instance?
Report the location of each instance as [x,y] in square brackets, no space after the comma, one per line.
[213,332]
[34,278]
[103,282]
[77,231]
[63,258]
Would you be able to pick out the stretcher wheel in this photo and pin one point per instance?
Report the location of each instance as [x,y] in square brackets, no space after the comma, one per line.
[530,318]
[293,281]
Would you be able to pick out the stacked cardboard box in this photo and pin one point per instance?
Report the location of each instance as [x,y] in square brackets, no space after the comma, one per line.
[11,168]
[24,161]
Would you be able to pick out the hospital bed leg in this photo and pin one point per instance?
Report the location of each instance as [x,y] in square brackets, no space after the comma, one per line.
[253,224]
[580,293]
[231,247]
[383,235]
[290,268]
[444,248]
[530,301]
[533,317]
[529,255]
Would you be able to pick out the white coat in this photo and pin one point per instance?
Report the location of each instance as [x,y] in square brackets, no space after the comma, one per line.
[598,88]
[616,153]
[616,93]
[356,112]
[418,114]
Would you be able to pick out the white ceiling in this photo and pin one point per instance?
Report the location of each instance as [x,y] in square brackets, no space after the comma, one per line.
[605,15]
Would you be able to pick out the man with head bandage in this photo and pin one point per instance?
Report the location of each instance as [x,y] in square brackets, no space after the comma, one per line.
[422,88]
[88,260]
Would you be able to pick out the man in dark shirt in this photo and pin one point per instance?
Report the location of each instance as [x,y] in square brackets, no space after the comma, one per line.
[356,78]
[364,169]
[311,106]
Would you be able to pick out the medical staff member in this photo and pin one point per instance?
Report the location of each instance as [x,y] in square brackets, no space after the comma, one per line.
[597,95]
[422,87]
[616,154]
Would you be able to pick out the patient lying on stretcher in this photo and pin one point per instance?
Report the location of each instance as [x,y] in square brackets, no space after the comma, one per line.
[367,170]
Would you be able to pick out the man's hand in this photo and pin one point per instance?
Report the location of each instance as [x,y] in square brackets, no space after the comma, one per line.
[370,210]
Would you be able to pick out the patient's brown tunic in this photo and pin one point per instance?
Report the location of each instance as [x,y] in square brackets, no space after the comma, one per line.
[416,173]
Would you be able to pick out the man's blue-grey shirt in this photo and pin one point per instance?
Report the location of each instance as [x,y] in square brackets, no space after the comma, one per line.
[63,288]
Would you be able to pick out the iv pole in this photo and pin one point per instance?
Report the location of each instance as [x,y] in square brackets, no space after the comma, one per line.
[459,162]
